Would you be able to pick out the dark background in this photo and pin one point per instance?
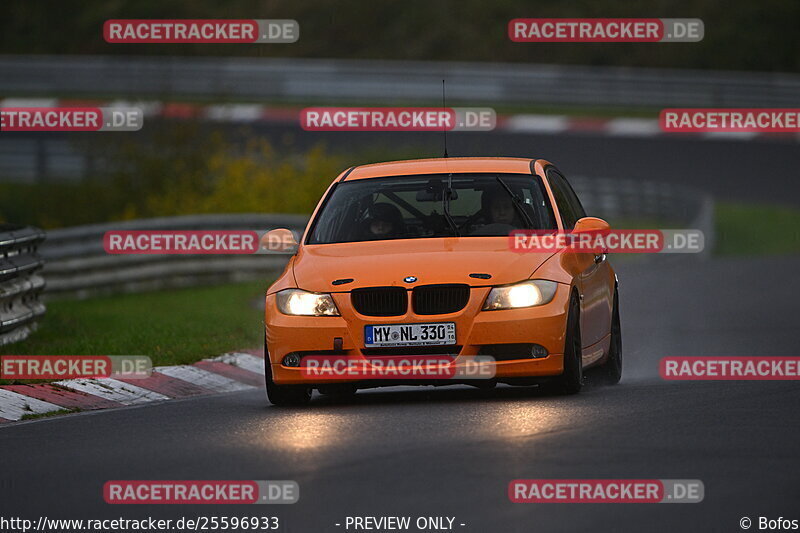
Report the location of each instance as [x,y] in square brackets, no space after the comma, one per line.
[739,34]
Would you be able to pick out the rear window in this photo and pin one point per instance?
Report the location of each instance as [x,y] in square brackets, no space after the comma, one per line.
[431,206]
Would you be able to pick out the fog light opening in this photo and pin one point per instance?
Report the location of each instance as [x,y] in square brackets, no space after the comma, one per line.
[292,359]
[538,351]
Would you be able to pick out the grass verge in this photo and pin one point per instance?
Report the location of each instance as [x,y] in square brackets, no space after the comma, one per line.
[34,416]
[172,327]
[744,229]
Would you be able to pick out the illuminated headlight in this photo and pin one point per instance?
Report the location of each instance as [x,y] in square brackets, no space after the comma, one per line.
[525,294]
[304,303]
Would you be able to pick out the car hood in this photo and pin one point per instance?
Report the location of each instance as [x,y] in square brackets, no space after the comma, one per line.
[386,263]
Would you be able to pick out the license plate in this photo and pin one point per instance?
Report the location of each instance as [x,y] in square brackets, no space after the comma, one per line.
[410,334]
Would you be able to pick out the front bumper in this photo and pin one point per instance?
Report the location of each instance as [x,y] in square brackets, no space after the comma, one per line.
[544,325]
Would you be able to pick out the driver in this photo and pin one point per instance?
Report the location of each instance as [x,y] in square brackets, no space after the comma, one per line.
[497,214]
[498,208]
[501,209]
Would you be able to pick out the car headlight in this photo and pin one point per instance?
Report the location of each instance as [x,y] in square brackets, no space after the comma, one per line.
[525,294]
[304,303]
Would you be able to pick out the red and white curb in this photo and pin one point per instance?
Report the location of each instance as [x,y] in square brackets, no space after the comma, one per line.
[520,123]
[230,372]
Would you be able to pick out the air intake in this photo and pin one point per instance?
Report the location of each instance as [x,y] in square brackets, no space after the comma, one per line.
[380,301]
[440,299]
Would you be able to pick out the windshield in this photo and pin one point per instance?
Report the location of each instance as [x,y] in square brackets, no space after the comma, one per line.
[434,205]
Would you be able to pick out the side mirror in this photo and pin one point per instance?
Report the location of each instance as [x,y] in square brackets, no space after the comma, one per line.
[281,241]
[591,224]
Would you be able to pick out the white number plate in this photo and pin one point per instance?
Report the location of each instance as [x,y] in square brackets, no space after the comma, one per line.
[410,334]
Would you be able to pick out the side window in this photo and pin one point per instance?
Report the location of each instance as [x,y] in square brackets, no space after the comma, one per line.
[572,198]
[563,194]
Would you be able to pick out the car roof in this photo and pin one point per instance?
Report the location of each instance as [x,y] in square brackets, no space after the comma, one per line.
[509,165]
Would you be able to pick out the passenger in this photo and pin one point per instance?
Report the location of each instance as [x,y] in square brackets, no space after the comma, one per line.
[384,221]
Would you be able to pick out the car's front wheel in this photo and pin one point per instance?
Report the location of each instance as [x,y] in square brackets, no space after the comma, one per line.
[283,395]
[611,371]
[571,380]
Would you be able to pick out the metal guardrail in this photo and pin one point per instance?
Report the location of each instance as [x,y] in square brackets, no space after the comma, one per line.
[20,282]
[648,201]
[624,199]
[361,81]
[32,157]
[77,264]
[39,158]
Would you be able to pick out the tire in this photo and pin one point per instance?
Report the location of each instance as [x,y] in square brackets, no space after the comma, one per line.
[571,380]
[284,395]
[611,371]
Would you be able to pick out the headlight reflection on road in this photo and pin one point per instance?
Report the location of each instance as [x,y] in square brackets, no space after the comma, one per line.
[298,431]
[519,419]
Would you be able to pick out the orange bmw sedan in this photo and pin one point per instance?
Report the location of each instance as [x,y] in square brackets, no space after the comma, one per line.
[413,259]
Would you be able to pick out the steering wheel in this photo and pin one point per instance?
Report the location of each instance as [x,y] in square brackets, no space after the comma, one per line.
[470,220]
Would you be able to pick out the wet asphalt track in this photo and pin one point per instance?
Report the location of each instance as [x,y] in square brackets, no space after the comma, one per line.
[452,451]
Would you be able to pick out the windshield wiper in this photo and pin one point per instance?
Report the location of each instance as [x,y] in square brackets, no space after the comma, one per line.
[446,206]
[517,202]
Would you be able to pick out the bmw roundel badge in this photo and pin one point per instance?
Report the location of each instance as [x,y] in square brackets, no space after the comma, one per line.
[410,279]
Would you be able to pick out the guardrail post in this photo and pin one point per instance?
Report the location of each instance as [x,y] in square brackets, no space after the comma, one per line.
[20,282]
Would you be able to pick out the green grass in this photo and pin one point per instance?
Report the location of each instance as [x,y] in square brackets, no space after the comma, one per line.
[34,416]
[171,327]
[743,229]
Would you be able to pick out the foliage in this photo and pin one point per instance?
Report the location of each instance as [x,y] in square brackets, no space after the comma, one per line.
[180,169]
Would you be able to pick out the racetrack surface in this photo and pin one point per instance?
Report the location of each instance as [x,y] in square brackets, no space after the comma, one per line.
[453,451]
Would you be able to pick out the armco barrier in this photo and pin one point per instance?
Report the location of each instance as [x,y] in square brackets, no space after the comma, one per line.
[40,80]
[631,200]
[359,81]
[20,282]
[76,262]
[647,202]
